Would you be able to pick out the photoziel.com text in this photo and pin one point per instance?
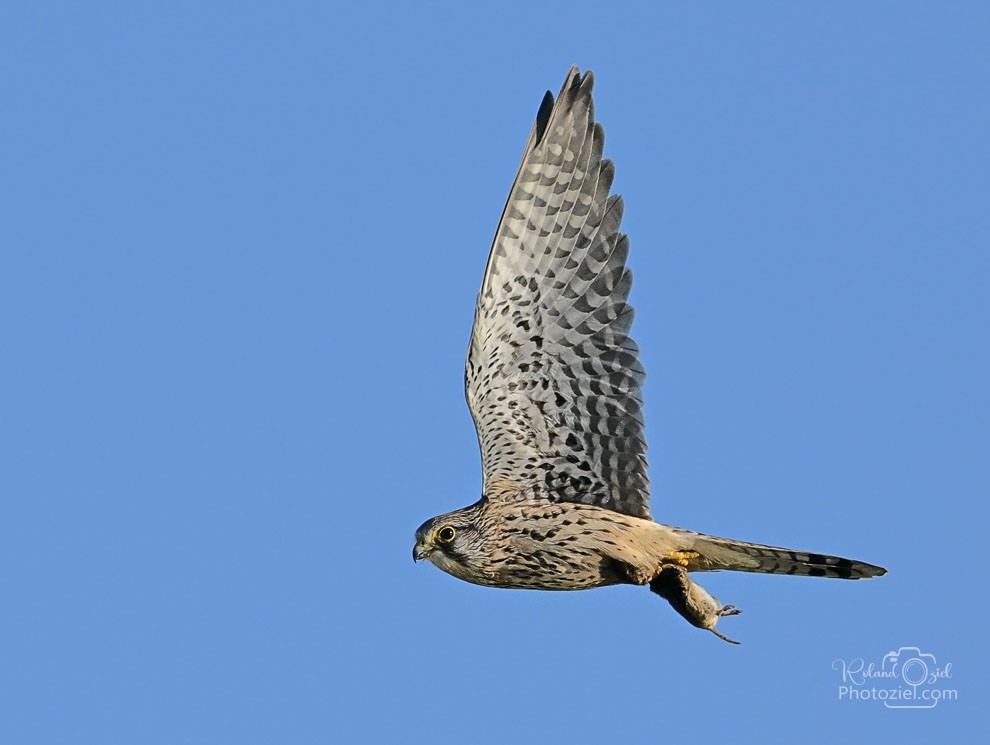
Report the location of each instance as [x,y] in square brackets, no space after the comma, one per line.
[905,679]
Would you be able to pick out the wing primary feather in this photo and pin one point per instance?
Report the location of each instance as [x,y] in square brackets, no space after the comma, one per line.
[553,378]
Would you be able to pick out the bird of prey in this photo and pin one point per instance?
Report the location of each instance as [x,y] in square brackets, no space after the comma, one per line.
[553,381]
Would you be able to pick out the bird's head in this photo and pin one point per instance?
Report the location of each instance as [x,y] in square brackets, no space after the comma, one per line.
[456,543]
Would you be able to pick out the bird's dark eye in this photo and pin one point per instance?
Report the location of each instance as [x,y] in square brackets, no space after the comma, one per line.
[446,534]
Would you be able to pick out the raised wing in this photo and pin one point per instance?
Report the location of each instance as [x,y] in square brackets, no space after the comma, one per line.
[553,379]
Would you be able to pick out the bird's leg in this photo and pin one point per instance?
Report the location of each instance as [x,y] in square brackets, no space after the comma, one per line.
[672,583]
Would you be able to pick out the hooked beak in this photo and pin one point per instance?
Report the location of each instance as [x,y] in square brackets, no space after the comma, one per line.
[421,551]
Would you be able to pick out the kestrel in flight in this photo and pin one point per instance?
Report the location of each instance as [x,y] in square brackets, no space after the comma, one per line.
[553,381]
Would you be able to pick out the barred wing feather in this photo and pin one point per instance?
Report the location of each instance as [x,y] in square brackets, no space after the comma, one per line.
[553,379]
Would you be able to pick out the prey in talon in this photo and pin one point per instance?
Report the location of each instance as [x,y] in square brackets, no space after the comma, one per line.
[554,384]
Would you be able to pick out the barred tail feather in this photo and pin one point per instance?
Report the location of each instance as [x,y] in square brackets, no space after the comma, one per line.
[739,556]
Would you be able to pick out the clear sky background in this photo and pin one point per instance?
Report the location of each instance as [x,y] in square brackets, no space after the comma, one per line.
[239,250]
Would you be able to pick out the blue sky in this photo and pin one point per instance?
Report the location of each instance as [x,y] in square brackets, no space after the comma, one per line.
[239,249]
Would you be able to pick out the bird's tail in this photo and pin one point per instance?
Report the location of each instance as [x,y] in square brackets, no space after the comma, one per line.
[709,553]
